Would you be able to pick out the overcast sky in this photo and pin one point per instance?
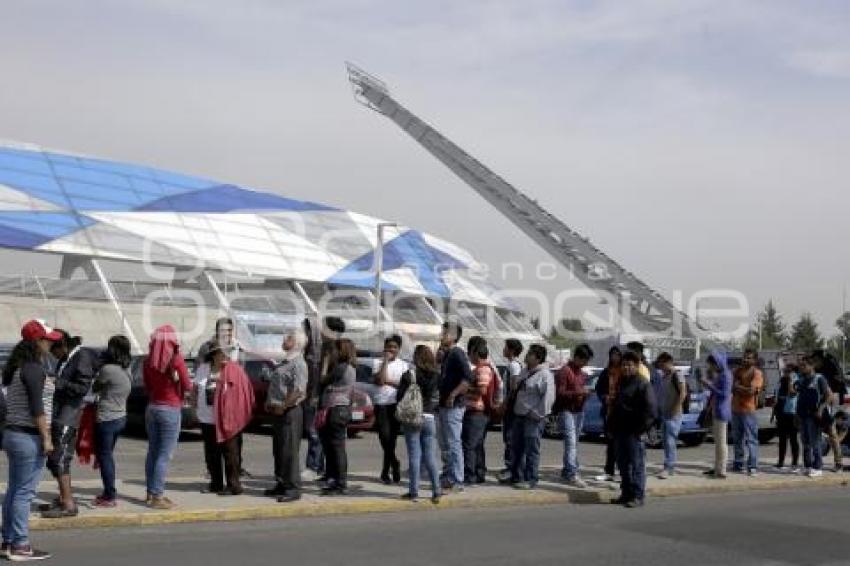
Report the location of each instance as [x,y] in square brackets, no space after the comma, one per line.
[701,143]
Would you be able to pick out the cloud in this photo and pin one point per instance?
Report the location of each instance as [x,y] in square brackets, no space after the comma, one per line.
[829,63]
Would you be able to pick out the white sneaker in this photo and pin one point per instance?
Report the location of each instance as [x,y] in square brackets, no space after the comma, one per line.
[577,482]
[816,473]
[604,477]
[752,472]
[795,470]
[663,475]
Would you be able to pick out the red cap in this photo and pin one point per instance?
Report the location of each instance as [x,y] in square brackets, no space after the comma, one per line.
[37,330]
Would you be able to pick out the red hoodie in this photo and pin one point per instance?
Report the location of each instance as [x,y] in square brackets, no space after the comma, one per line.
[571,389]
[161,365]
[233,403]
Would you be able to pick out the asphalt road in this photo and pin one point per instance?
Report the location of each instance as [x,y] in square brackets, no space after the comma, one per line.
[364,455]
[806,528]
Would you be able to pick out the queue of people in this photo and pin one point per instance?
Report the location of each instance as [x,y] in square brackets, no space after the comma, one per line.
[442,403]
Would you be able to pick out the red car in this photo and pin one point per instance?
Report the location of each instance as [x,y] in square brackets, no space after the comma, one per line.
[260,370]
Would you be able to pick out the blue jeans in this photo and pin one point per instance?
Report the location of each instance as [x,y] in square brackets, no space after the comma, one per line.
[315,456]
[571,424]
[526,449]
[810,436]
[508,438]
[163,426]
[451,427]
[106,436]
[670,430]
[631,459]
[421,444]
[26,462]
[745,435]
[472,437]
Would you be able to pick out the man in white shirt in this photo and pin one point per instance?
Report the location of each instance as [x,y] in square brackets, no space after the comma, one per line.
[387,377]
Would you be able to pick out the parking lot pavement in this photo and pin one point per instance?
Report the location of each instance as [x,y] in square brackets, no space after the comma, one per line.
[367,495]
[804,527]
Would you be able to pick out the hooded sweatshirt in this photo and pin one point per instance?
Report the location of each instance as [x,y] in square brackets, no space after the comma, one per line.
[162,364]
[234,402]
[721,388]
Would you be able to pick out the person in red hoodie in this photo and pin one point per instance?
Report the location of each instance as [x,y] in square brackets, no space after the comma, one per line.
[570,383]
[167,382]
[233,407]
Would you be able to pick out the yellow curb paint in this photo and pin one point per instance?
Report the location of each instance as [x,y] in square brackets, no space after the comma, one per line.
[356,506]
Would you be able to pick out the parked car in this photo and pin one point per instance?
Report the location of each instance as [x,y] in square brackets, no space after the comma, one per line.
[137,402]
[767,429]
[691,434]
[259,370]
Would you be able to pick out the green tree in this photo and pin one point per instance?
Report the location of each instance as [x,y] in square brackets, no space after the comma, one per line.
[770,325]
[843,325]
[564,334]
[805,335]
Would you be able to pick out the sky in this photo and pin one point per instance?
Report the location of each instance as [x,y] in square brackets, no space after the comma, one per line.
[702,143]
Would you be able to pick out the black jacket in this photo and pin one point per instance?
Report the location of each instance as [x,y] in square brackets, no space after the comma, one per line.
[635,408]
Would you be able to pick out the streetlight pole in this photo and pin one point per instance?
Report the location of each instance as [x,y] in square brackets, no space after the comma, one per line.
[843,330]
[379,268]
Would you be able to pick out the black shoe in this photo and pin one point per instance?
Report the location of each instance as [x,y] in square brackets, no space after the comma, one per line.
[397,472]
[60,513]
[213,489]
[332,491]
[620,501]
[289,497]
[633,504]
[231,491]
[275,491]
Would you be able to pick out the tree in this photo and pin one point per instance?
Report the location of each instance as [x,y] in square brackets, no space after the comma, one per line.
[843,325]
[841,343]
[805,335]
[770,325]
[564,334]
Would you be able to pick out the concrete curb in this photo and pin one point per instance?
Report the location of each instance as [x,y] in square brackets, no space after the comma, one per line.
[720,486]
[356,506]
[324,507]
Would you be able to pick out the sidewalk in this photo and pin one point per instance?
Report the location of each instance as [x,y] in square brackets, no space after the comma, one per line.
[366,495]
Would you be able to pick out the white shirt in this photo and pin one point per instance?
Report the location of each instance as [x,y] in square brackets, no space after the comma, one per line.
[386,394]
[204,410]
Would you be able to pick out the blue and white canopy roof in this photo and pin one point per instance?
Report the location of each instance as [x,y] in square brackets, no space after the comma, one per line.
[68,204]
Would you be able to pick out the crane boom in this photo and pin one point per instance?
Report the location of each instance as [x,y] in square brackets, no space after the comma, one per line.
[649,312]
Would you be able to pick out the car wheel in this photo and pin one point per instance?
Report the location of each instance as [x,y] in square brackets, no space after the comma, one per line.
[693,440]
[653,437]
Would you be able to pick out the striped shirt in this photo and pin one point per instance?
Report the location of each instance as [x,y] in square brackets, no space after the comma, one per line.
[25,398]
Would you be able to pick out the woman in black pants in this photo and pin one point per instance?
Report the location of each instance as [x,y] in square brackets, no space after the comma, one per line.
[785,414]
[336,404]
